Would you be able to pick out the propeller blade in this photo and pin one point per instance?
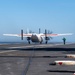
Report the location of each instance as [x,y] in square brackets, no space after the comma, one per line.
[45,33]
[46,37]
[21,34]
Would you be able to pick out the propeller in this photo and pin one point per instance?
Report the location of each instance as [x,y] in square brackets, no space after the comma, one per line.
[28,38]
[50,32]
[46,37]
[22,34]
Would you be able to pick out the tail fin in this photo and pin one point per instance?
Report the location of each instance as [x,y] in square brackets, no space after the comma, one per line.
[27,31]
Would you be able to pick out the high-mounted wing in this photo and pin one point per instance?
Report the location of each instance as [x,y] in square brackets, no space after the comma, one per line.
[18,35]
[54,35]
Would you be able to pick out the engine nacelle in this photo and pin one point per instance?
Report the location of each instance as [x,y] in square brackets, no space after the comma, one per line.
[28,38]
[47,38]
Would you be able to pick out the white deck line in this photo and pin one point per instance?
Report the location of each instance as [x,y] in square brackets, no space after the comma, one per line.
[8,51]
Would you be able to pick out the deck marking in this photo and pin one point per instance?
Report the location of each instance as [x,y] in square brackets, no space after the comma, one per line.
[8,51]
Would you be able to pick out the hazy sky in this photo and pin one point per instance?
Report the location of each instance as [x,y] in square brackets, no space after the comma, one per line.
[55,15]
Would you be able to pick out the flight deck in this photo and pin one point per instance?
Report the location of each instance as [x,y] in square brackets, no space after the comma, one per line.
[24,59]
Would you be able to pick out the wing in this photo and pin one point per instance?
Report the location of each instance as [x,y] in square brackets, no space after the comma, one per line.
[54,35]
[18,35]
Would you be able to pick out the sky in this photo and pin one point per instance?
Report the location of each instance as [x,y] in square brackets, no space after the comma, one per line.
[57,16]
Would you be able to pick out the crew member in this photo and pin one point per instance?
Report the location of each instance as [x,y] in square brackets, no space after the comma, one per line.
[64,40]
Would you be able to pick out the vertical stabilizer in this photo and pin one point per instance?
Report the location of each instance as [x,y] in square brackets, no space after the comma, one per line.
[27,31]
